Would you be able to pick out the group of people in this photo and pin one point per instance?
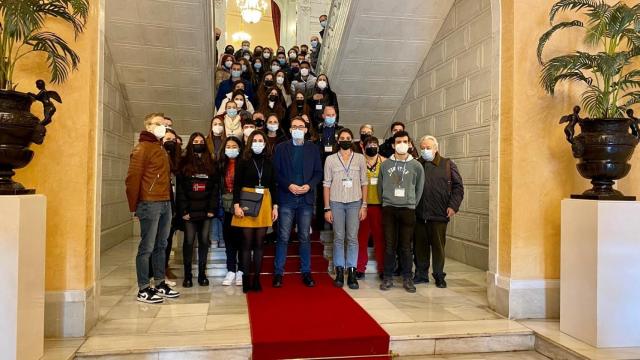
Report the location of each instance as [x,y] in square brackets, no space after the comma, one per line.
[274,160]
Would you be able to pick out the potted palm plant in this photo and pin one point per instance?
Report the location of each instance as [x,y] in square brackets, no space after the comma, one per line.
[607,139]
[22,32]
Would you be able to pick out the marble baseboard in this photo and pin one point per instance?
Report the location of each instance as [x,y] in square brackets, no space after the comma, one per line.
[524,299]
[70,313]
[227,354]
[553,351]
[114,236]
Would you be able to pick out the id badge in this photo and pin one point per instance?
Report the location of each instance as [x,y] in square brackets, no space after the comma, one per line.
[319,107]
[347,183]
[373,181]
[259,190]
[328,148]
[399,192]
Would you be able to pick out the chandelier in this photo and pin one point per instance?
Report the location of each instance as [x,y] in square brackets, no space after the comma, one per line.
[252,10]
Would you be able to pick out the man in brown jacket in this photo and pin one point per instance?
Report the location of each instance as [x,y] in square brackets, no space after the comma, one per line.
[148,185]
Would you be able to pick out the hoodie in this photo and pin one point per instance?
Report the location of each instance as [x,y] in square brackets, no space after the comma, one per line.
[404,174]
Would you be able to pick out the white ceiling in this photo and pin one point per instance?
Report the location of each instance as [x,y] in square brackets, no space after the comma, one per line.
[162,53]
[384,45]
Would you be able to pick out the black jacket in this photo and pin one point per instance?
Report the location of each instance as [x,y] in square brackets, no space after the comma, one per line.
[438,194]
[385,149]
[197,195]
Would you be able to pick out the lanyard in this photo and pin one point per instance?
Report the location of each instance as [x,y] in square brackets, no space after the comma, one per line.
[395,165]
[259,171]
[375,165]
[346,168]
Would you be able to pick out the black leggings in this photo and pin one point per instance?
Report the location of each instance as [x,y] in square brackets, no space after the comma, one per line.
[252,240]
[192,229]
[231,235]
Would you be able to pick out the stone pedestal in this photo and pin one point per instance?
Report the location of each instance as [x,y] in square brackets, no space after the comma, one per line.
[22,257]
[600,272]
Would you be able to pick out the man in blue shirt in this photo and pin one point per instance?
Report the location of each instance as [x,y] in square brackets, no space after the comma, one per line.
[227,85]
[299,171]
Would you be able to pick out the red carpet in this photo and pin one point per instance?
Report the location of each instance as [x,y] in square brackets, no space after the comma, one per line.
[299,322]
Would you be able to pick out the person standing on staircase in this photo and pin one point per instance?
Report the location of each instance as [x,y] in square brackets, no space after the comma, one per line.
[345,193]
[401,182]
[147,188]
[197,201]
[227,165]
[299,171]
[255,183]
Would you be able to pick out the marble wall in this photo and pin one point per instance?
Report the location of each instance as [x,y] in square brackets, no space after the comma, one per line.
[451,99]
[117,142]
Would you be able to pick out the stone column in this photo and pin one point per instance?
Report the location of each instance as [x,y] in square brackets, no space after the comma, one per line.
[219,22]
[303,32]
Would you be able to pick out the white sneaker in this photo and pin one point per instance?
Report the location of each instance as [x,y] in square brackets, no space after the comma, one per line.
[229,278]
[310,230]
[239,278]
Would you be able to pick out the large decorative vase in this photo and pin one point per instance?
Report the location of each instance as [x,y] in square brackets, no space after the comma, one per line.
[18,129]
[604,147]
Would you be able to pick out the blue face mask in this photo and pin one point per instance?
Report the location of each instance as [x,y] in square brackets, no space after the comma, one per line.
[297,134]
[330,120]
[232,153]
[236,73]
[257,147]
[314,43]
[258,66]
[282,61]
[428,155]
[232,112]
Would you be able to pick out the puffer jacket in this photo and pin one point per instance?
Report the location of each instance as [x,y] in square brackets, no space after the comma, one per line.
[197,195]
[149,172]
[438,194]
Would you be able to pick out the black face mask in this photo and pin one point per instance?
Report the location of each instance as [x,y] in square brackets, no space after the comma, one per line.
[295,70]
[199,148]
[268,83]
[299,102]
[371,151]
[364,137]
[345,144]
[228,51]
[303,52]
[170,146]
[273,97]
[217,37]
[259,123]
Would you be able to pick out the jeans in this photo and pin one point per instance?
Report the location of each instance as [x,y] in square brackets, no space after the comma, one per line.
[371,226]
[398,226]
[232,241]
[430,240]
[302,214]
[199,228]
[155,224]
[216,230]
[346,220]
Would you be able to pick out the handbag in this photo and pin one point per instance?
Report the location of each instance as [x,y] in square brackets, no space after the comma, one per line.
[250,203]
[227,202]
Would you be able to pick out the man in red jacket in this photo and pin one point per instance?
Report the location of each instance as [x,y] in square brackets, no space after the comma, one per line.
[148,185]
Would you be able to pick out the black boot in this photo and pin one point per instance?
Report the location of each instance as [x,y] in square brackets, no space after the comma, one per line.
[339,281]
[256,286]
[352,281]
[202,275]
[246,284]
[188,280]
[439,278]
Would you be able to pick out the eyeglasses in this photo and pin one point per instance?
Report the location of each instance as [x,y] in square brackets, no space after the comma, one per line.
[298,127]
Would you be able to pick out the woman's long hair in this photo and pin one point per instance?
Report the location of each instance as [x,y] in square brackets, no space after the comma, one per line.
[244,98]
[247,153]
[293,109]
[191,164]
[262,94]
[285,85]
[279,108]
[174,159]
[224,163]
[216,155]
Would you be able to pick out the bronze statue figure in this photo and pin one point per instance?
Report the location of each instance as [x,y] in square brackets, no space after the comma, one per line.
[45,97]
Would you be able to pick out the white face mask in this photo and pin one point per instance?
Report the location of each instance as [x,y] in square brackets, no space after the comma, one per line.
[239,103]
[159,131]
[402,148]
[228,64]
[272,127]
[217,129]
[258,147]
[304,72]
[280,80]
[247,132]
[322,84]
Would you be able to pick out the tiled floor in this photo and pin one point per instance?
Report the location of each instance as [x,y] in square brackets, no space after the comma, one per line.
[516,355]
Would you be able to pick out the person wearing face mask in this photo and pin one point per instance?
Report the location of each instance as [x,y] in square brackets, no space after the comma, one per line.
[328,144]
[257,51]
[281,57]
[241,100]
[275,104]
[316,46]
[440,201]
[232,235]
[266,83]
[366,130]
[258,72]
[197,199]
[147,188]
[258,119]
[371,226]
[400,186]
[304,50]
[248,127]
[294,69]
[282,83]
[247,70]
[245,48]
[275,65]
[299,106]
[223,71]
[229,50]
[275,134]
[323,24]
[299,172]
[254,174]
[386,149]
[322,97]
[217,33]
[232,120]
[228,85]
[345,191]
[304,81]
[216,138]
[266,55]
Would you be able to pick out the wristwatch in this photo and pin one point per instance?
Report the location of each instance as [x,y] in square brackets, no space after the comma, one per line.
[327,209]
